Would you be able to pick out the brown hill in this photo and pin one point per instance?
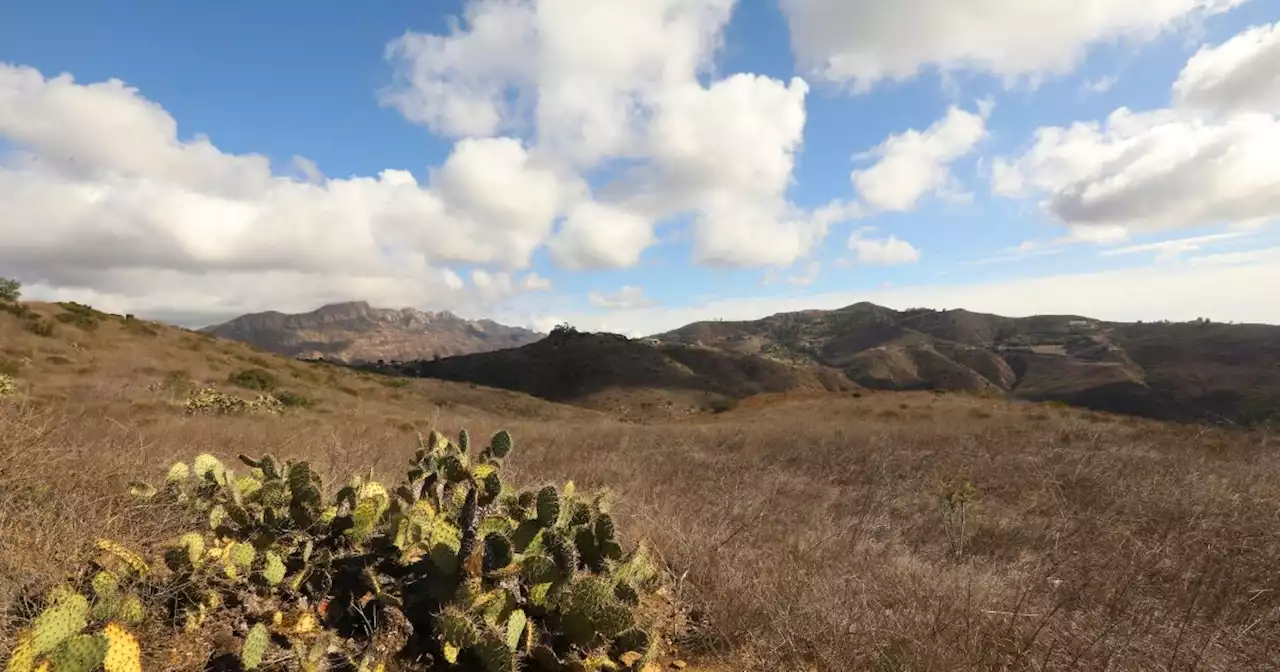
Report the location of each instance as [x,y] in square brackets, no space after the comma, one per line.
[357,332]
[627,376]
[1184,371]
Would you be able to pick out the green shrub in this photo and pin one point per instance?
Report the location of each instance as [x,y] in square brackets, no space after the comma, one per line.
[9,367]
[253,379]
[294,399]
[452,568]
[39,327]
[84,321]
[10,290]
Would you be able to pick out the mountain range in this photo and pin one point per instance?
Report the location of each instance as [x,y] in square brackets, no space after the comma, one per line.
[355,332]
[1194,371]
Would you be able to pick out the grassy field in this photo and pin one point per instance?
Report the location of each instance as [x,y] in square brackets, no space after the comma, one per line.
[871,531]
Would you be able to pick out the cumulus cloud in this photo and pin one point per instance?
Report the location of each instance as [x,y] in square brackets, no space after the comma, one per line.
[1241,74]
[915,163]
[888,251]
[594,86]
[99,193]
[1207,159]
[860,42]
[626,297]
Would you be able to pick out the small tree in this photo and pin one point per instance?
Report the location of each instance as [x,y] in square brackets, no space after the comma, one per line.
[10,290]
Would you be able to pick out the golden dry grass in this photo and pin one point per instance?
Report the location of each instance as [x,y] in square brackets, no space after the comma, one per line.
[806,533]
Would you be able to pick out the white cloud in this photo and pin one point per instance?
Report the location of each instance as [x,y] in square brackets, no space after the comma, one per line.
[860,42]
[600,235]
[535,283]
[1101,84]
[99,195]
[1208,159]
[915,163]
[1168,249]
[881,251]
[1152,170]
[627,297]
[1241,74]
[592,84]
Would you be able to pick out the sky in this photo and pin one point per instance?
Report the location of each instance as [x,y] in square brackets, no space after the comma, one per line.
[635,165]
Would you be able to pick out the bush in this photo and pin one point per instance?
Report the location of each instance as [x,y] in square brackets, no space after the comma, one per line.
[9,367]
[294,399]
[253,379]
[209,401]
[39,327]
[10,290]
[453,567]
[8,386]
[84,321]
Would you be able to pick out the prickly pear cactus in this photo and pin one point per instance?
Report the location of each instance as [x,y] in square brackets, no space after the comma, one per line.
[452,565]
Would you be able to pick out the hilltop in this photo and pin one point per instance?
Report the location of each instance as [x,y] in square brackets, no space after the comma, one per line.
[631,377]
[357,332]
[1176,371]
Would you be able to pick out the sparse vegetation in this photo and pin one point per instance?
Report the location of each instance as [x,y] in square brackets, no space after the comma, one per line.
[290,399]
[8,386]
[808,531]
[254,379]
[209,401]
[10,290]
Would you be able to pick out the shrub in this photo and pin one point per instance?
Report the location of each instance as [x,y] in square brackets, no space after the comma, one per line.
[39,327]
[10,290]
[209,401]
[253,379]
[140,327]
[294,399]
[84,321]
[9,367]
[723,404]
[8,386]
[453,567]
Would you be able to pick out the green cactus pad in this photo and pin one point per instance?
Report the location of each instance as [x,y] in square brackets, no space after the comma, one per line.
[501,444]
[81,653]
[242,555]
[255,646]
[273,568]
[516,623]
[464,441]
[497,552]
[59,623]
[548,506]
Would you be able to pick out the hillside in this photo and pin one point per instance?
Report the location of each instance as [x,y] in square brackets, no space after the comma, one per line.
[357,332]
[1187,371]
[630,377]
[805,530]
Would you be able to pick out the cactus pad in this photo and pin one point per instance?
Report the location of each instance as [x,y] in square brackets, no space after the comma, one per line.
[255,646]
[548,506]
[500,445]
[123,653]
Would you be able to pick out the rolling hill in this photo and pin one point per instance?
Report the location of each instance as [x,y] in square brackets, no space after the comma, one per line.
[357,332]
[1174,371]
[628,376]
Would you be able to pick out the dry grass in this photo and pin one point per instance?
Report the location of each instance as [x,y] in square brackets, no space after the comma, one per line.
[806,533]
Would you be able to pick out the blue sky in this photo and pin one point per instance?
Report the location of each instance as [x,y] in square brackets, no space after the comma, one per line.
[637,165]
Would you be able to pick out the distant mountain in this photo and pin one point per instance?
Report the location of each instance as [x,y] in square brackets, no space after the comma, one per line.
[633,377]
[356,332]
[1178,371]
